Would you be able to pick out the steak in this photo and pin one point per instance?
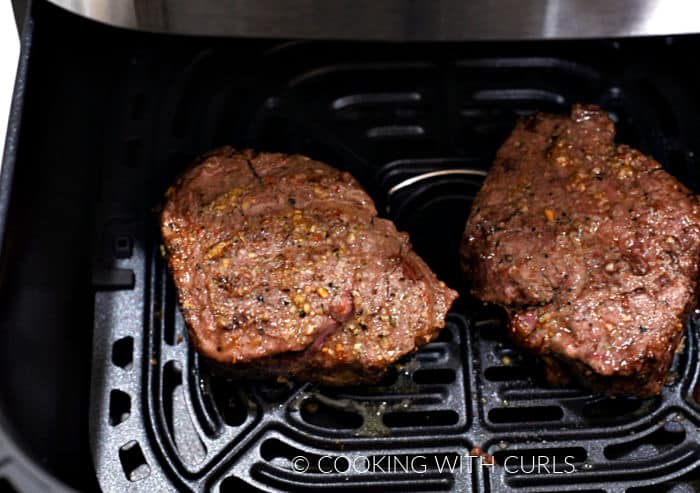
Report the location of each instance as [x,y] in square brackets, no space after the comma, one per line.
[590,246]
[283,268]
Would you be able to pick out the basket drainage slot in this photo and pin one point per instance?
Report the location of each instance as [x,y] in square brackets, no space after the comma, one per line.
[123,352]
[434,376]
[648,446]
[187,441]
[541,461]
[133,461]
[320,414]
[233,484]
[132,153]
[423,418]
[119,407]
[229,401]
[525,414]
[506,373]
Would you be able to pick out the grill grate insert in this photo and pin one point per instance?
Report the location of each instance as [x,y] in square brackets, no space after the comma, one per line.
[388,115]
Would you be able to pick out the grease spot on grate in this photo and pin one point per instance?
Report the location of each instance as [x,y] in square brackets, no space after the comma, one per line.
[320,414]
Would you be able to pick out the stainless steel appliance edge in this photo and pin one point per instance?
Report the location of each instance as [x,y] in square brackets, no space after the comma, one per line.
[398,20]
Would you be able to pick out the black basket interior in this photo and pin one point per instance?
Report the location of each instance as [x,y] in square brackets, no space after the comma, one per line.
[98,372]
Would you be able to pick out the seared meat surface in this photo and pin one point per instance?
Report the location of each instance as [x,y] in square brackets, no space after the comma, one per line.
[592,248]
[283,268]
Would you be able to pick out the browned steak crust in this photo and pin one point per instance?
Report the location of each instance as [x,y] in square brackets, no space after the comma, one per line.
[591,246]
[283,268]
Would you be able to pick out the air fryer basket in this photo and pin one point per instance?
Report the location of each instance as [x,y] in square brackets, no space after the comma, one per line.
[110,117]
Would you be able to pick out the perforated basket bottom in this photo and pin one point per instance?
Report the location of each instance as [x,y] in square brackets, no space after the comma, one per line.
[386,114]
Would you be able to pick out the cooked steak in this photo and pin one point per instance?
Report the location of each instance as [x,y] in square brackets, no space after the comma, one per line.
[283,268]
[592,248]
